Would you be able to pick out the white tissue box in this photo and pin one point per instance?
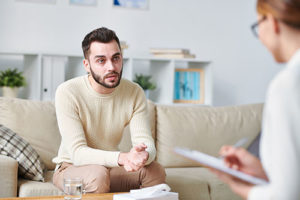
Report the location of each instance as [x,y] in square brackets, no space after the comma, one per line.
[156,192]
[163,195]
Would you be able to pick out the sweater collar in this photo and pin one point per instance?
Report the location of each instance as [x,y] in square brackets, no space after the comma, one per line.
[96,94]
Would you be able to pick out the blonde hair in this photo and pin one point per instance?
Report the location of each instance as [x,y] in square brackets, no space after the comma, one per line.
[286,11]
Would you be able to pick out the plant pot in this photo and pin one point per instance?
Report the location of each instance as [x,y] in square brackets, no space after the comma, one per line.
[147,93]
[10,92]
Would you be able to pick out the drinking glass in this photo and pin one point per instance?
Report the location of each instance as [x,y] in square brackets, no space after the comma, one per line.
[72,188]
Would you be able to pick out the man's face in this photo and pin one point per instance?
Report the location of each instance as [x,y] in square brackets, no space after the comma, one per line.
[105,63]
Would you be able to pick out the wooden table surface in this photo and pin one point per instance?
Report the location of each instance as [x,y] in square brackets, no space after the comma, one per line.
[106,196]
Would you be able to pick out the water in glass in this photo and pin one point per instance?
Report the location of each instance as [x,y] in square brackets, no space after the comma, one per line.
[73,189]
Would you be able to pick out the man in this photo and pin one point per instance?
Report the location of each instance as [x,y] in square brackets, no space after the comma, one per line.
[92,111]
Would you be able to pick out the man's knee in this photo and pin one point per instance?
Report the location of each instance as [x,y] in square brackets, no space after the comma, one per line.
[158,171]
[98,180]
[154,174]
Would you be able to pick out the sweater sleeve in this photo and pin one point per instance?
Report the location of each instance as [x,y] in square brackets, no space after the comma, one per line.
[283,144]
[73,136]
[139,125]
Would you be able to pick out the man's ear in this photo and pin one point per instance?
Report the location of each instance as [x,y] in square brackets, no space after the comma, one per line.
[275,24]
[86,65]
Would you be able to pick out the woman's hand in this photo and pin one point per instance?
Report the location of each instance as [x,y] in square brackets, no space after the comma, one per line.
[242,160]
[237,186]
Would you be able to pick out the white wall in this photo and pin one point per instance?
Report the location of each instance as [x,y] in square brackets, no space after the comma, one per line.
[212,29]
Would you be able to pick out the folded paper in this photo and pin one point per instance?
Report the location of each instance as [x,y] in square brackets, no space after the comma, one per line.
[157,192]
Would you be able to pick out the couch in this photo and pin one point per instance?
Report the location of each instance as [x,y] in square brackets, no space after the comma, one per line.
[203,128]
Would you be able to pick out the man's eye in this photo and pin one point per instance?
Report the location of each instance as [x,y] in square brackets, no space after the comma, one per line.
[100,61]
[116,58]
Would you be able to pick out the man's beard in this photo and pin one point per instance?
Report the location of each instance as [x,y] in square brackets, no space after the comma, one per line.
[100,80]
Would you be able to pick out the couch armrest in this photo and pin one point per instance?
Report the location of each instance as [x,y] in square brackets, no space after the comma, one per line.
[9,176]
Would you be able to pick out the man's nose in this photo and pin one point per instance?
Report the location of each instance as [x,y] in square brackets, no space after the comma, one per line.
[111,66]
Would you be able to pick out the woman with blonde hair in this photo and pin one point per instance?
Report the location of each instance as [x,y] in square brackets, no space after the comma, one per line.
[279,30]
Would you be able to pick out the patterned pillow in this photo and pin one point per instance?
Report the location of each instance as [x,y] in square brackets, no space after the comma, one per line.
[12,145]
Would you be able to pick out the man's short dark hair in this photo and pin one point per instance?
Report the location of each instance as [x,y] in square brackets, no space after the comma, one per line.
[103,35]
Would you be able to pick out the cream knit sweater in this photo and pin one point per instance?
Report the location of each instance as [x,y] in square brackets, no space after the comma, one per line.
[91,124]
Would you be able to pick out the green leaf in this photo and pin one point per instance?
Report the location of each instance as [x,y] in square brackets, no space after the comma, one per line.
[144,82]
[12,78]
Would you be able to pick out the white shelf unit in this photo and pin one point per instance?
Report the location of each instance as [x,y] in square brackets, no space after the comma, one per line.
[52,75]
[30,65]
[163,73]
[44,72]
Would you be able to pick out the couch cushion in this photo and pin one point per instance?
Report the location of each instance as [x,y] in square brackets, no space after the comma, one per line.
[9,176]
[188,187]
[34,188]
[35,121]
[125,144]
[204,129]
[12,145]
[197,183]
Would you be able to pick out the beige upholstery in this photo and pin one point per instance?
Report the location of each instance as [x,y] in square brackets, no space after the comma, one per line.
[188,187]
[36,122]
[8,176]
[33,188]
[193,179]
[197,127]
[203,128]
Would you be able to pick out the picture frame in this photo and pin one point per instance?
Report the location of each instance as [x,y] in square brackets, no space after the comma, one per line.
[136,4]
[189,86]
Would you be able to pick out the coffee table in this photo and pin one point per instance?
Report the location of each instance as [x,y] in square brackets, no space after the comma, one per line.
[106,196]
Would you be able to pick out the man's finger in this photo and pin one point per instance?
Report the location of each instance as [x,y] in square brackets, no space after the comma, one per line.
[134,167]
[139,161]
[139,148]
[128,168]
[136,162]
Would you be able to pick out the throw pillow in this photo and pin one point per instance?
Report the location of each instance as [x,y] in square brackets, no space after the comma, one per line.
[12,145]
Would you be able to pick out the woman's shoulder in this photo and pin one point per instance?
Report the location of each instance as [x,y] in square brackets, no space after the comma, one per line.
[285,85]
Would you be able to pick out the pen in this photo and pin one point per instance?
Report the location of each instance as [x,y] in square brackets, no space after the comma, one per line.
[239,143]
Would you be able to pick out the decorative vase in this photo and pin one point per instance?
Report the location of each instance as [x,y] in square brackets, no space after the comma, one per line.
[10,92]
[147,93]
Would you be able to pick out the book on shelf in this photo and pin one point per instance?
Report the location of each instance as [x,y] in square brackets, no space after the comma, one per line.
[124,45]
[169,51]
[175,55]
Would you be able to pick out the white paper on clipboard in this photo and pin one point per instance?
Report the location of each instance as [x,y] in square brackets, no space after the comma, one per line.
[218,164]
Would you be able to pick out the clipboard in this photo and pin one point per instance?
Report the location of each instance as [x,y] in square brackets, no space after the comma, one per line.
[218,164]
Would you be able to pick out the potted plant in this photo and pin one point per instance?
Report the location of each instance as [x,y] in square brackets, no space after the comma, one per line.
[145,83]
[11,80]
